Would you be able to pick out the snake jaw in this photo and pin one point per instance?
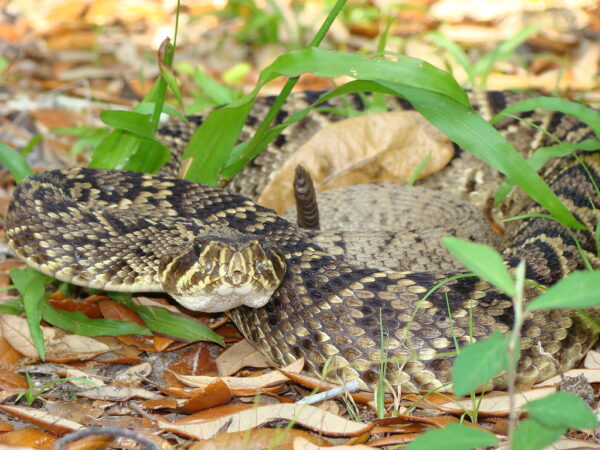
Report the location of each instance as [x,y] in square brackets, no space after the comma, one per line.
[217,274]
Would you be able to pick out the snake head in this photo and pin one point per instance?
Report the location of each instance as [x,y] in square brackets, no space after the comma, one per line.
[220,273]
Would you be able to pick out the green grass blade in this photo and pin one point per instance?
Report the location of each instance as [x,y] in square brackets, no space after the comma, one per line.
[542,155]
[587,115]
[465,127]
[14,162]
[79,323]
[506,48]
[454,50]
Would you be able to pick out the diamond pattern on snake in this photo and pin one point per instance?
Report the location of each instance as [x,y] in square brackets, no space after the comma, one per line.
[320,294]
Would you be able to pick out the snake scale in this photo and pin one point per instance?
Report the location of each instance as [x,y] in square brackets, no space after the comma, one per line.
[138,232]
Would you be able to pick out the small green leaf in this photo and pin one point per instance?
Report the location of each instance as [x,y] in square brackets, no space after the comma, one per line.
[478,363]
[115,150]
[180,327]
[483,261]
[561,409]
[453,437]
[149,158]
[30,283]
[133,122]
[217,92]
[79,323]
[14,307]
[14,162]
[577,290]
[532,435]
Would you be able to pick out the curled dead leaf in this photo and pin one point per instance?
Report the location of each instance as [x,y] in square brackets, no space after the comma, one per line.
[306,416]
[376,147]
[268,379]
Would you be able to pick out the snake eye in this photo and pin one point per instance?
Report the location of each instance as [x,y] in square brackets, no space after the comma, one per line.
[208,266]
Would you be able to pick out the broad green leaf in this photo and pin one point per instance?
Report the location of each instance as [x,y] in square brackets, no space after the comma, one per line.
[162,321]
[150,157]
[79,323]
[115,150]
[453,437]
[478,363]
[561,409]
[211,143]
[532,435]
[483,261]
[130,121]
[587,115]
[14,162]
[30,284]
[577,290]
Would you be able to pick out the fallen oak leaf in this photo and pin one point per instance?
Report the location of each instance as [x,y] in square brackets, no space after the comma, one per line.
[271,438]
[239,355]
[268,379]
[375,147]
[42,419]
[307,416]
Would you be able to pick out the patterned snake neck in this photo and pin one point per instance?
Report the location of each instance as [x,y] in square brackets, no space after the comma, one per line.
[110,229]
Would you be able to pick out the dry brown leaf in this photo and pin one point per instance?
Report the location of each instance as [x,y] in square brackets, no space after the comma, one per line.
[117,393]
[318,385]
[592,375]
[59,343]
[301,443]
[66,371]
[196,360]
[271,438]
[307,416]
[8,355]
[28,437]
[215,394]
[496,404]
[38,417]
[592,360]
[241,354]
[572,444]
[385,146]
[11,380]
[268,379]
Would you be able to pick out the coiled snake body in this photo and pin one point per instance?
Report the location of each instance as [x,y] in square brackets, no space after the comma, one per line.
[136,232]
